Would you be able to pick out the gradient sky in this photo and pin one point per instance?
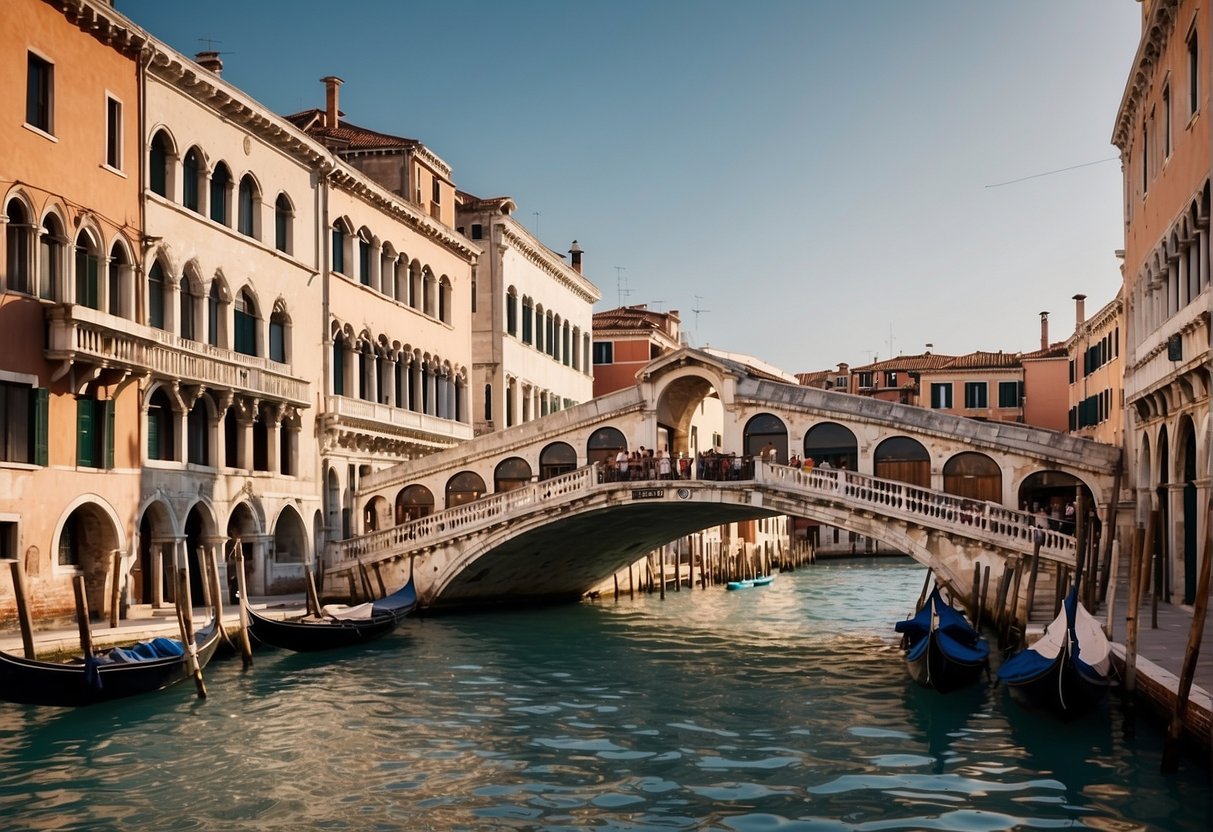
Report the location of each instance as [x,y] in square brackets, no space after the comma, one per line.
[823,180]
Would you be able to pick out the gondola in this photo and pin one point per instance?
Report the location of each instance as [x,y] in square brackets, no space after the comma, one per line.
[109,674]
[943,651]
[338,626]
[1066,671]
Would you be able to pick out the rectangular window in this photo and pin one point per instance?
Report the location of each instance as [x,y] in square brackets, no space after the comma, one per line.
[338,250]
[1145,158]
[437,191]
[1009,393]
[477,231]
[113,133]
[1166,122]
[39,94]
[975,395]
[941,396]
[1193,75]
[94,426]
[8,540]
[865,380]
[604,352]
[18,422]
[364,262]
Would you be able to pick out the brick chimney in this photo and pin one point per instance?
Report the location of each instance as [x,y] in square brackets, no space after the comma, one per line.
[210,61]
[1080,311]
[575,252]
[1044,330]
[332,114]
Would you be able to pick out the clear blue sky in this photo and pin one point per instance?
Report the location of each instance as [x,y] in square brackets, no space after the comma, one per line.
[815,176]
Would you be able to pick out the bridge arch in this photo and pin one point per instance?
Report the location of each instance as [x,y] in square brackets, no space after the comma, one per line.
[903,459]
[464,487]
[511,473]
[555,459]
[763,429]
[974,475]
[604,444]
[375,513]
[833,443]
[413,502]
[678,396]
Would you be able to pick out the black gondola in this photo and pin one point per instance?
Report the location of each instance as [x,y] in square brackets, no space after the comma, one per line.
[943,651]
[1066,671]
[110,674]
[338,626]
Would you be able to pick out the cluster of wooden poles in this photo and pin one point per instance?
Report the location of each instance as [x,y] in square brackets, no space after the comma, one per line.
[718,563]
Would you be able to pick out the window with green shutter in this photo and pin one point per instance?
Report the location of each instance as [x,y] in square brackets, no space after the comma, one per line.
[86,440]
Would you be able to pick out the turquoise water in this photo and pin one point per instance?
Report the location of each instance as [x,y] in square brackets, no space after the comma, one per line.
[777,708]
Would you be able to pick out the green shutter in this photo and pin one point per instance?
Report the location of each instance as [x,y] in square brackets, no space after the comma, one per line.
[108,416]
[40,404]
[84,433]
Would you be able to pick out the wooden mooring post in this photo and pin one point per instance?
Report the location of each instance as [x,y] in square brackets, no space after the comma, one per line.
[246,646]
[185,620]
[23,614]
[115,587]
[86,633]
[1136,577]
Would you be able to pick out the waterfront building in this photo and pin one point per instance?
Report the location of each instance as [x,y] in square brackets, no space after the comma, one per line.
[1162,130]
[70,459]
[532,320]
[626,339]
[839,379]
[1096,372]
[397,330]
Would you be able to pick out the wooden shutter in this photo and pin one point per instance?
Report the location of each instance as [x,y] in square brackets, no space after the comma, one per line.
[108,416]
[40,405]
[85,446]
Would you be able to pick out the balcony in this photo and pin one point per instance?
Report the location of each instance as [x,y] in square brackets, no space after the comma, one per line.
[79,335]
[392,429]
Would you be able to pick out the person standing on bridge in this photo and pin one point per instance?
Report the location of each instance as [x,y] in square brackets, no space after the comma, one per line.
[621,464]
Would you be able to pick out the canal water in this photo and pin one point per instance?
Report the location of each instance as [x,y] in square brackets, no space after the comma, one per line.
[778,708]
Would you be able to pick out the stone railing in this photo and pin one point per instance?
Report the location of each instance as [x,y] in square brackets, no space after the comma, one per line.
[397,417]
[82,334]
[987,522]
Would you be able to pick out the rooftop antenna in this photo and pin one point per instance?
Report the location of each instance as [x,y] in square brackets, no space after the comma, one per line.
[210,43]
[657,303]
[697,310]
[890,340]
[619,284]
[535,214]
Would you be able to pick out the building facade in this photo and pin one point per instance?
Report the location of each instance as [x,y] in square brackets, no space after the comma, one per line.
[1162,130]
[628,338]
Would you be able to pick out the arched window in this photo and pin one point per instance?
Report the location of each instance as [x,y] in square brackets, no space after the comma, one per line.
[539,327]
[157,173]
[88,265]
[221,183]
[903,459]
[18,236]
[511,473]
[283,214]
[549,334]
[565,343]
[198,433]
[338,248]
[428,286]
[511,311]
[464,487]
[189,305]
[575,351]
[155,296]
[160,419]
[763,433]
[214,318]
[415,290]
[604,445]
[249,200]
[444,300]
[528,320]
[117,280]
[279,322]
[191,177]
[488,402]
[338,365]
[50,256]
[246,324]
[974,475]
[556,459]
[364,259]
[833,443]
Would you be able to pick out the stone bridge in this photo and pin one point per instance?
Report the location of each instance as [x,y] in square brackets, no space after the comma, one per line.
[944,489]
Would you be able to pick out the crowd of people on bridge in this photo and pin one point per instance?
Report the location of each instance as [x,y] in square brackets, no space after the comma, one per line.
[646,464]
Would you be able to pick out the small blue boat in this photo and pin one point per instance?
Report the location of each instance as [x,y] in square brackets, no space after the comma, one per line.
[943,651]
[739,584]
[763,580]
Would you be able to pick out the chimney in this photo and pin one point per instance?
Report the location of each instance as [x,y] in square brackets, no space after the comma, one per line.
[1044,330]
[1080,311]
[210,61]
[575,251]
[331,112]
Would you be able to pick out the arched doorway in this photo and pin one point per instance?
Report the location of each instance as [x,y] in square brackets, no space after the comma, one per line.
[1165,542]
[1052,491]
[290,538]
[603,446]
[902,459]
[197,529]
[833,443]
[556,459]
[464,487]
[1190,515]
[88,541]
[762,431]
[155,527]
[242,526]
[511,473]
[973,475]
[375,509]
[412,503]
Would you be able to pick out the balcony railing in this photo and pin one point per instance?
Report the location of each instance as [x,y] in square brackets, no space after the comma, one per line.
[398,419]
[85,335]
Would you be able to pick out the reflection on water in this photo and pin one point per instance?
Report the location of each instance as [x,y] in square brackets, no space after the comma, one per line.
[784,707]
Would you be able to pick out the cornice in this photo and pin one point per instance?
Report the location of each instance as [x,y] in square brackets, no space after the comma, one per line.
[433,160]
[1155,33]
[1198,321]
[106,25]
[512,235]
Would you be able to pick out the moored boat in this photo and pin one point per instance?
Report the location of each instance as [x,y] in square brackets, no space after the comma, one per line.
[942,650]
[337,626]
[733,585]
[1066,671]
[110,674]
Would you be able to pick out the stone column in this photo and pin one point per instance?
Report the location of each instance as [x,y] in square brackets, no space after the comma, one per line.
[387,387]
[244,440]
[273,438]
[431,390]
[416,397]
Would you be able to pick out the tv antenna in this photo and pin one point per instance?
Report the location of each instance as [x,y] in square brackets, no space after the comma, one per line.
[620,284]
[657,304]
[535,214]
[697,310]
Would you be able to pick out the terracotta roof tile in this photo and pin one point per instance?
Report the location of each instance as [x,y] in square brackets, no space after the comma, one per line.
[350,135]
